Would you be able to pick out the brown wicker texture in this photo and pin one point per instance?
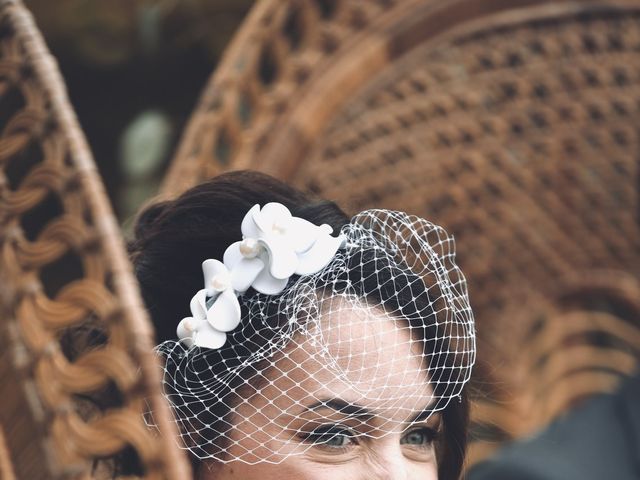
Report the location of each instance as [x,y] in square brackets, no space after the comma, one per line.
[64,275]
[561,349]
[276,62]
[512,124]
[6,466]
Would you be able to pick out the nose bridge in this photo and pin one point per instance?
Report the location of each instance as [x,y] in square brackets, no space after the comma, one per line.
[388,463]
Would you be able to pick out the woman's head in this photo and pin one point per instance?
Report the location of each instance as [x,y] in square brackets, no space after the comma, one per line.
[340,366]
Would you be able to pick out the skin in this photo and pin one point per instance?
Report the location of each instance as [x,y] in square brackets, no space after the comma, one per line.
[306,406]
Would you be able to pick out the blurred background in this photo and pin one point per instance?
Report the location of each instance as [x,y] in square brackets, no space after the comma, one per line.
[134,70]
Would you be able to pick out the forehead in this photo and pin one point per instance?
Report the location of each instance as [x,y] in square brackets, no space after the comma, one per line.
[358,354]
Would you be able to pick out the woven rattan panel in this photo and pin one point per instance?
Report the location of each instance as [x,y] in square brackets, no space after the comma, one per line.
[521,140]
[274,61]
[76,366]
[546,354]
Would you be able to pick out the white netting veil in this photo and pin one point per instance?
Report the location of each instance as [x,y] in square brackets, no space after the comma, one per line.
[379,339]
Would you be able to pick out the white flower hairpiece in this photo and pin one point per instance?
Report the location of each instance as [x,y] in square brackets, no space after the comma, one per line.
[385,318]
[274,246]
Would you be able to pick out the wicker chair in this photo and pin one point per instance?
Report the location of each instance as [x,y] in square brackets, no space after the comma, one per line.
[512,124]
[72,328]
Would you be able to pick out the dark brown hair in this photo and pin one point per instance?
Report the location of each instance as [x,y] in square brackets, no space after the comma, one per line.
[172,239]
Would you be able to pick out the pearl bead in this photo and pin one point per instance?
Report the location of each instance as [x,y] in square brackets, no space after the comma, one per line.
[249,248]
[279,228]
[188,325]
[220,282]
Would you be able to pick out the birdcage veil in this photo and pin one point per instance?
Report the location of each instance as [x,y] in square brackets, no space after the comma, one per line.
[391,286]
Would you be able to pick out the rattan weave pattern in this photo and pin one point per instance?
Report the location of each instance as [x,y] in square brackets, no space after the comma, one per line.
[526,149]
[269,68]
[63,269]
[560,352]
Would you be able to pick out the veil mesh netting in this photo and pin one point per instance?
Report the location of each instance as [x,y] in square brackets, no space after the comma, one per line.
[386,324]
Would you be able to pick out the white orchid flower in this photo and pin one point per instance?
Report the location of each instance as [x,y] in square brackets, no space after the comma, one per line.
[275,246]
[207,326]
[195,330]
[286,244]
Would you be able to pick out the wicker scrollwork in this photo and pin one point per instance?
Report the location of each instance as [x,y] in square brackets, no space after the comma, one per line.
[76,364]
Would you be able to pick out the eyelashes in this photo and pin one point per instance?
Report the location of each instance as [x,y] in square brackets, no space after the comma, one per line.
[339,438]
[420,436]
[331,437]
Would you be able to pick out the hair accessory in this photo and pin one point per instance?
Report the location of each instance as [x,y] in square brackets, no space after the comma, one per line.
[378,318]
[275,245]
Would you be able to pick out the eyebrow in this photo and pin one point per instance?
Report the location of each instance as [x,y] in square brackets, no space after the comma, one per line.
[340,406]
[358,411]
[423,415]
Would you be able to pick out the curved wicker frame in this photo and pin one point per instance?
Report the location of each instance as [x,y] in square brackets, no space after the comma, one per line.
[510,123]
[73,332]
[560,352]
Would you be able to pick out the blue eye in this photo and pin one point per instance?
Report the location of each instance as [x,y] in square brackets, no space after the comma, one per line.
[331,436]
[423,436]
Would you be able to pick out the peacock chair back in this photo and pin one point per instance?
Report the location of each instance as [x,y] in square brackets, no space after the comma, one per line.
[512,124]
[77,372]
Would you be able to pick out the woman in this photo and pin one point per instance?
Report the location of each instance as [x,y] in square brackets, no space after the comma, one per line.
[320,346]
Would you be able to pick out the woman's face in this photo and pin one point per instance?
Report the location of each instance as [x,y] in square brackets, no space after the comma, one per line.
[332,417]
